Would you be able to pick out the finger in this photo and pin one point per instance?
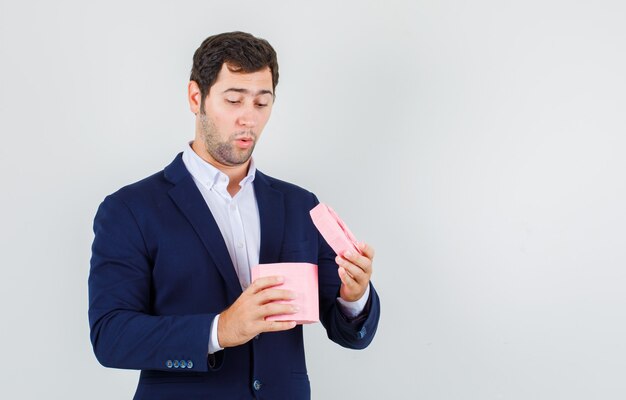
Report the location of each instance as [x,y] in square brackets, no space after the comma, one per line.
[358,260]
[366,249]
[258,312]
[275,326]
[356,273]
[260,284]
[269,295]
[346,279]
[278,309]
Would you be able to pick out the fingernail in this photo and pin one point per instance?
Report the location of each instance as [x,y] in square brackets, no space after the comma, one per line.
[348,254]
[296,309]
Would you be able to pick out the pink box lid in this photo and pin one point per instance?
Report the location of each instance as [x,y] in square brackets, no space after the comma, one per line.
[333,229]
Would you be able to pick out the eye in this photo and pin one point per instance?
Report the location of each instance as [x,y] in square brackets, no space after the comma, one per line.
[233,101]
[261,105]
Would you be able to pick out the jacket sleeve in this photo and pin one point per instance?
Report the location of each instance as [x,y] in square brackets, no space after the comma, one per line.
[124,333]
[355,333]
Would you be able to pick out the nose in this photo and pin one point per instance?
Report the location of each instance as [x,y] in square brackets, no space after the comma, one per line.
[247,118]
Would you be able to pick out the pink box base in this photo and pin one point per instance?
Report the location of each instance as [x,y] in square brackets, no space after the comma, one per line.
[300,278]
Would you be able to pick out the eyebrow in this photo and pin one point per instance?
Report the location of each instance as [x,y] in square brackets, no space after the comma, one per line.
[246,91]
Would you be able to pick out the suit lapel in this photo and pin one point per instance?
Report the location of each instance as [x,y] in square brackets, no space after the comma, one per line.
[188,198]
[272,217]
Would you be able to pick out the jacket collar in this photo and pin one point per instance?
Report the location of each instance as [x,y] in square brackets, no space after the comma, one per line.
[271,205]
[188,199]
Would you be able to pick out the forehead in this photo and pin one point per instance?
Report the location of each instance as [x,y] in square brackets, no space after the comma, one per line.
[254,81]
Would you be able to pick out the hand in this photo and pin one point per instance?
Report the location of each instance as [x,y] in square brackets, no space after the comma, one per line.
[245,318]
[355,271]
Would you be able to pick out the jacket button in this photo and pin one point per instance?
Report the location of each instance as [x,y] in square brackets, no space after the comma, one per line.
[189,364]
[168,364]
[361,334]
[256,384]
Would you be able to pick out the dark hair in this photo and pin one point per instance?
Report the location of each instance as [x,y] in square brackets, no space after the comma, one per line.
[241,52]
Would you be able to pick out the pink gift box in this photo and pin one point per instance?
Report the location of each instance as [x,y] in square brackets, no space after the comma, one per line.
[333,229]
[300,278]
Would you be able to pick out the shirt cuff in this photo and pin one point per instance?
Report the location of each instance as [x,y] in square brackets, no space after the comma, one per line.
[353,309]
[214,344]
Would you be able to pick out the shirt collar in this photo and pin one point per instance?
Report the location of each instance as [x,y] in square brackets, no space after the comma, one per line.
[209,175]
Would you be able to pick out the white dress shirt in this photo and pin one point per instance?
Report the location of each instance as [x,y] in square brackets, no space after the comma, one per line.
[237,217]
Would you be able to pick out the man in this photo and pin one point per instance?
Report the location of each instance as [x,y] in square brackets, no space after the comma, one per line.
[169,286]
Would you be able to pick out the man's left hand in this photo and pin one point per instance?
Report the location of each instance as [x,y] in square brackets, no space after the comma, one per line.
[355,271]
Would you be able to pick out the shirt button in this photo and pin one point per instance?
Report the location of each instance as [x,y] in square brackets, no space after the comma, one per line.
[256,384]
[168,363]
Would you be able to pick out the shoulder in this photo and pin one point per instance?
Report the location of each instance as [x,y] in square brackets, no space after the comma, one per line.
[142,192]
[287,188]
[148,186]
[152,189]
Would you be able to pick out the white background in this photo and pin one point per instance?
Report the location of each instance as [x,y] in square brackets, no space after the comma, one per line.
[479,146]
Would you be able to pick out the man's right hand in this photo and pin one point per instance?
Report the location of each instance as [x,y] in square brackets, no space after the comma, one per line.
[245,318]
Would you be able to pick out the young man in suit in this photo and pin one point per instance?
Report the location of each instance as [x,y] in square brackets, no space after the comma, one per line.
[169,286]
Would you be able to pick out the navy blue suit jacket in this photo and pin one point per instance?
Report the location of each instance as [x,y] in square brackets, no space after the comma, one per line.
[160,272]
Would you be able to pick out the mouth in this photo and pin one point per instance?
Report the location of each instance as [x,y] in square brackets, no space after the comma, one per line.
[244,142]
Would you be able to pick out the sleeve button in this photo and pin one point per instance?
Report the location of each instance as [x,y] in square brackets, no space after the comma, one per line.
[361,334]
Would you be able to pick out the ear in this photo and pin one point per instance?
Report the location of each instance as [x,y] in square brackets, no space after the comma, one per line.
[194,96]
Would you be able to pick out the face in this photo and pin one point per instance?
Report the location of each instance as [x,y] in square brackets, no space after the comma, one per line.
[234,114]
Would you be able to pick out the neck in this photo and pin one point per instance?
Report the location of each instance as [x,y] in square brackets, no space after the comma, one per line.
[235,173]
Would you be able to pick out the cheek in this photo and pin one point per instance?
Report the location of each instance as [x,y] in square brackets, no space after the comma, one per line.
[264,117]
[221,121]
[222,118]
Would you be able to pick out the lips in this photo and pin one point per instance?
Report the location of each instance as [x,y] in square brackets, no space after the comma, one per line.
[244,142]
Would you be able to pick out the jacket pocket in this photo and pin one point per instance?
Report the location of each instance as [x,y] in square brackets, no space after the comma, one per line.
[300,386]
